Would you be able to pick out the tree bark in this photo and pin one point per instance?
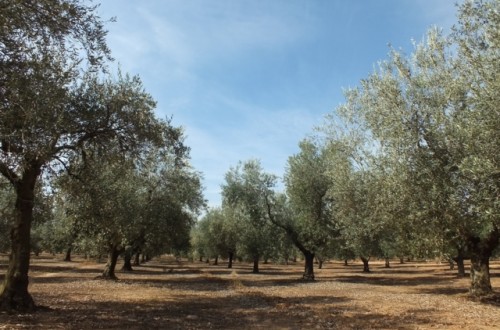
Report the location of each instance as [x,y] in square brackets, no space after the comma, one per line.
[366,266]
[109,269]
[480,251]
[387,263]
[480,276]
[216,261]
[309,266]
[68,255]
[345,262]
[320,263]
[137,260]
[230,262]
[255,269]
[14,293]
[127,262]
[460,265]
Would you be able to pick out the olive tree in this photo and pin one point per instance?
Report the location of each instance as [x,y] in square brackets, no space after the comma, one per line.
[435,114]
[245,190]
[308,222]
[53,104]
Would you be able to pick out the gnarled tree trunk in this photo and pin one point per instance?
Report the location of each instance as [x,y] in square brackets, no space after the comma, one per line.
[480,276]
[480,252]
[137,260]
[14,294]
[460,265]
[255,269]
[127,262]
[366,266]
[320,263]
[68,255]
[109,269]
[309,266]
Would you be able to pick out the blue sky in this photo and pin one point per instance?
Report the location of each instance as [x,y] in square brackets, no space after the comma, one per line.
[250,79]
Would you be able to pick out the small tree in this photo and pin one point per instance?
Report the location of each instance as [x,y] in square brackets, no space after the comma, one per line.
[245,191]
[308,221]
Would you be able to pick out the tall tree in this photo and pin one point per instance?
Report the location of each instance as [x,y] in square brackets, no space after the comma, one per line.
[50,111]
[435,115]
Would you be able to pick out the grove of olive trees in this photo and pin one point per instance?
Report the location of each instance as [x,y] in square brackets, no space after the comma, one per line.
[58,108]
[412,170]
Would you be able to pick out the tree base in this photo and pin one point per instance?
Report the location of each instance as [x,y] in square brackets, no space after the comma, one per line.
[308,277]
[18,302]
[106,278]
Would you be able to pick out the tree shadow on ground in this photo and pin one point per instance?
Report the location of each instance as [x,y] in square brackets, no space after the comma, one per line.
[391,281]
[238,311]
[197,283]
[446,291]
[58,279]
[492,299]
[278,282]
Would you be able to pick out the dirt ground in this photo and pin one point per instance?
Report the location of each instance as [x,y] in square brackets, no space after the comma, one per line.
[165,294]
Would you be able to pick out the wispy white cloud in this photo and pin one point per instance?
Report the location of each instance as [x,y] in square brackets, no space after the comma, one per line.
[251,78]
[190,33]
[270,136]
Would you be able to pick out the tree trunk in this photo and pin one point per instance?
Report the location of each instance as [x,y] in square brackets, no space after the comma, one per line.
[127,262]
[480,251]
[109,269]
[230,262]
[137,261]
[14,293]
[401,260]
[216,260]
[309,266]
[320,263]
[201,259]
[345,262]
[387,263]
[366,266]
[480,276]
[255,269]
[68,255]
[460,265]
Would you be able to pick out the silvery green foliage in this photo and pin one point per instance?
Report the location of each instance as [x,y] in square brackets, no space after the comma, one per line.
[434,115]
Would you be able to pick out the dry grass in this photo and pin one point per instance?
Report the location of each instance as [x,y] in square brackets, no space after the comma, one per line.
[165,294]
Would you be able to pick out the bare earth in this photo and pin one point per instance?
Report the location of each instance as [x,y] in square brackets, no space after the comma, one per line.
[165,294]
